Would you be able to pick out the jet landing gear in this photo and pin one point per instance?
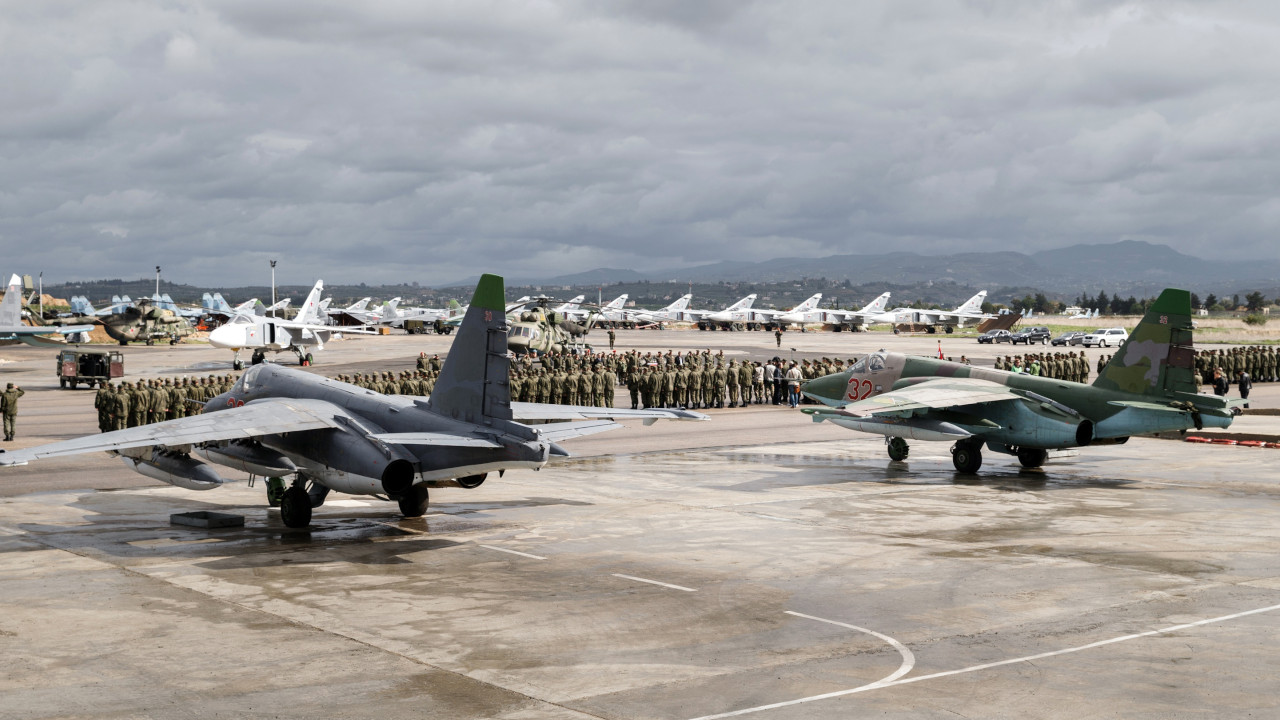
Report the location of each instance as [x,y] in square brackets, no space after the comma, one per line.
[413,503]
[295,506]
[897,448]
[1032,457]
[966,455]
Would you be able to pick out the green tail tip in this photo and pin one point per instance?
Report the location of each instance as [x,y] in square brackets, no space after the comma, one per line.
[490,294]
[1172,302]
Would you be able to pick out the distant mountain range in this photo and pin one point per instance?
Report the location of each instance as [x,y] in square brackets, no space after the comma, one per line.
[1130,267]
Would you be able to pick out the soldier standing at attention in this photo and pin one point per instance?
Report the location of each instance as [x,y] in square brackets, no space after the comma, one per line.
[102,403]
[9,406]
[611,338]
[777,335]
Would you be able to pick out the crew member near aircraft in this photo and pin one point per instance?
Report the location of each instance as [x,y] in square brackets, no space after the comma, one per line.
[9,406]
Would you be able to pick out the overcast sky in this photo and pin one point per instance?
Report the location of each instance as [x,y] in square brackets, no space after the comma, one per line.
[430,141]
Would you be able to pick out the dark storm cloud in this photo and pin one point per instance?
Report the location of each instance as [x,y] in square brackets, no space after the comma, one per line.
[429,141]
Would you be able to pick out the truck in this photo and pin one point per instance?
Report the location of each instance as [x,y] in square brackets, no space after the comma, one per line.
[91,367]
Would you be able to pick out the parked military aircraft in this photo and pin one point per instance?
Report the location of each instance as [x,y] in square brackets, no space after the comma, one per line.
[871,314]
[144,321]
[540,330]
[969,311]
[1147,387]
[13,331]
[677,311]
[264,334]
[329,435]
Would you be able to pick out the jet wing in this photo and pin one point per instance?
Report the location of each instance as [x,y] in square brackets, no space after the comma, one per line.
[269,416]
[939,394]
[524,412]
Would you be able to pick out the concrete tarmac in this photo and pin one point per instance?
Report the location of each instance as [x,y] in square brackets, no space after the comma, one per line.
[756,564]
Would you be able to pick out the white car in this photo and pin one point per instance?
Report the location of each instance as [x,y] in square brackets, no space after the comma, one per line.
[1106,337]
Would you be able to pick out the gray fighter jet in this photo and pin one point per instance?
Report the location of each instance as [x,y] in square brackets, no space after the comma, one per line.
[13,331]
[328,435]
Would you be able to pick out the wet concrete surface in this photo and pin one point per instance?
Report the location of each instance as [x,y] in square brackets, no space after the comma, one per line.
[754,563]
[660,585]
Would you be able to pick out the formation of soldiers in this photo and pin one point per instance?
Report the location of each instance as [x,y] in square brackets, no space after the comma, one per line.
[1259,362]
[696,380]
[141,402]
[1071,365]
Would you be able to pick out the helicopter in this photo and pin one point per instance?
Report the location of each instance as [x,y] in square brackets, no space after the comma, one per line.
[145,321]
[537,328]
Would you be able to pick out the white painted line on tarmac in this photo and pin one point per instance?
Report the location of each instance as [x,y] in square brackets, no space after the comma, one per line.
[513,552]
[908,662]
[654,582]
[986,666]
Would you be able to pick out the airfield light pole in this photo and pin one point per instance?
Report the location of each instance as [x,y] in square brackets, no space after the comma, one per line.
[157,281]
[40,297]
[273,288]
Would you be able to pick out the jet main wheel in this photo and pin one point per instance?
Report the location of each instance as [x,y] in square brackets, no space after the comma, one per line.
[414,502]
[295,507]
[237,365]
[898,449]
[967,457]
[1032,457]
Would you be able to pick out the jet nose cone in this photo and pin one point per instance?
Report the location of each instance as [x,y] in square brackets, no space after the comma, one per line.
[828,389]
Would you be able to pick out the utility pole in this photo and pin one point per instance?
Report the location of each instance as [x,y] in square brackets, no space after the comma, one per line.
[40,301]
[273,288]
[157,281]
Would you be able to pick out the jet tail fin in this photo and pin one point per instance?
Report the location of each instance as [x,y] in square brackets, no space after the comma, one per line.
[1159,356]
[973,304]
[11,306]
[681,304]
[473,383]
[878,305]
[309,312]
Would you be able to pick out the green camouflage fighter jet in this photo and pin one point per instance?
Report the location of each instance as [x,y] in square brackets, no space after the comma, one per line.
[1148,386]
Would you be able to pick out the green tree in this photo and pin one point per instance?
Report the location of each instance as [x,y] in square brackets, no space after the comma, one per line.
[1256,301]
[1195,301]
[1103,303]
[1210,301]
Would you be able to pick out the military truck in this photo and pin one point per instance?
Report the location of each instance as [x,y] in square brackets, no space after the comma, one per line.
[91,367]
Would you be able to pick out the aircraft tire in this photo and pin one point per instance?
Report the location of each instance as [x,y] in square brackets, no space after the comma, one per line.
[295,507]
[414,502]
[1032,457]
[967,457]
[310,359]
[898,449]
[237,365]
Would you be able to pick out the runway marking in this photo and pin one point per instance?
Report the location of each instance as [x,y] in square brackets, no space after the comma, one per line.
[513,552]
[908,662]
[985,666]
[654,582]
